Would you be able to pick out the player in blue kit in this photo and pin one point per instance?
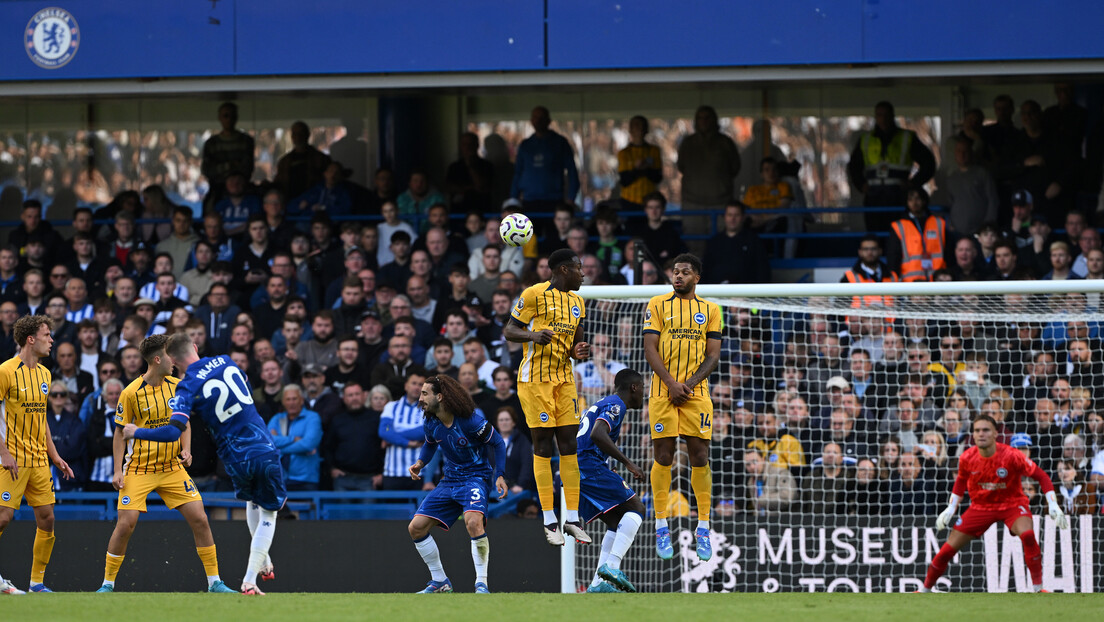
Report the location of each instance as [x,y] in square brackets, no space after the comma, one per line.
[604,494]
[217,390]
[467,439]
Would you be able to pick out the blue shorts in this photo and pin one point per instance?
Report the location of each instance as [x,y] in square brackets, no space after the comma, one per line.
[600,490]
[449,500]
[260,480]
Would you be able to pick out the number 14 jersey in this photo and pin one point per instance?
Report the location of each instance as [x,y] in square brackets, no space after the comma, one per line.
[217,390]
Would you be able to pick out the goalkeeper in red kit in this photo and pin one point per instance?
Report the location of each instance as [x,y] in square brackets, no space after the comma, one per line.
[991,473]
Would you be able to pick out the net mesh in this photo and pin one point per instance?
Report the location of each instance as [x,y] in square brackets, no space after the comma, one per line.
[858,408]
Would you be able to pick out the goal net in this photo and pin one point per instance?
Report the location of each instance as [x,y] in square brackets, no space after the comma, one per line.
[840,411]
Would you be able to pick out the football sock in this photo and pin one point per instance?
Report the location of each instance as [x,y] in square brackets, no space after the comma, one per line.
[111,568]
[703,524]
[626,532]
[661,523]
[542,473]
[481,555]
[549,517]
[939,565]
[661,486]
[1033,556]
[209,558]
[252,519]
[43,548]
[701,480]
[569,476]
[262,540]
[603,557]
[427,548]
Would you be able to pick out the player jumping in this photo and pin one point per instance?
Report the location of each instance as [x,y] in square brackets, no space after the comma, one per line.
[682,344]
[216,389]
[547,320]
[991,473]
[452,424]
[27,450]
[604,493]
[155,467]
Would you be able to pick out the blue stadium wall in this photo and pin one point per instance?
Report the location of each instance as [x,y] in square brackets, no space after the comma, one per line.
[165,39]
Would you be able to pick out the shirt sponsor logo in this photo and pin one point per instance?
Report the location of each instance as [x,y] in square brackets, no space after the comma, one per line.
[52,38]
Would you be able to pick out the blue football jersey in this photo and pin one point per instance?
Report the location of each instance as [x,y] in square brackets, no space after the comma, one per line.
[608,409]
[216,389]
[468,453]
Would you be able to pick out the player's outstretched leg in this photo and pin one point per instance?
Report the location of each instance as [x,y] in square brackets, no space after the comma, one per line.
[43,547]
[252,519]
[627,527]
[481,549]
[955,541]
[607,545]
[419,531]
[258,548]
[1024,528]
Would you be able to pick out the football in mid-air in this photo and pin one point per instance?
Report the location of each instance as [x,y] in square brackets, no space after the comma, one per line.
[516,229]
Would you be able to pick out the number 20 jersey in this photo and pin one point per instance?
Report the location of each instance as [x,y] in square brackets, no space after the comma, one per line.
[217,390]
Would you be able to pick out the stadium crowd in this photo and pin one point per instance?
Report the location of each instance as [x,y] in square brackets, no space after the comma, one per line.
[337,322]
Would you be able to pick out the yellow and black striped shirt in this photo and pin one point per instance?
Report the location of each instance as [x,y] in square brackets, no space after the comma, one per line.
[148,407]
[23,411]
[683,327]
[542,307]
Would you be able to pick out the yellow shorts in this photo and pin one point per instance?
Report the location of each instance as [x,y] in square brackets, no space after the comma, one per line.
[549,405]
[37,483]
[693,418]
[175,488]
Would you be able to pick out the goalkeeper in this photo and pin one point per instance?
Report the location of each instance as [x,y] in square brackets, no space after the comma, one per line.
[991,473]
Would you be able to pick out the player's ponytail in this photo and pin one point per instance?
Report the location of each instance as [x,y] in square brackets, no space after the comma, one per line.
[454,397]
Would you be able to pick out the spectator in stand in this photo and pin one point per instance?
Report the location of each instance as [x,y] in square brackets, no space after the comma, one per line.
[639,166]
[519,452]
[321,348]
[831,485]
[297,433]
[869,496]
[709,162]
[238,204]
[968,266]
[11,285]
[268,397]
[594,377]
[776,445]
[348,369]
[542,161]
[301,168]
[78,382]
[1076,495]
[1075,451]
[419,195]
[199,279]
[736,254]
[1037,162]
[32,227]
[555,237]
[215,234]
[98,415]
[491,333]
[180,243]
[84,265]
[1088,241]
[476,355]
[512,257]
[218,317]
[33,300]
[773,193]
[918,245]
[331,196]
[351,446]
[971,190]
[251,259]
[383,190]
[371,344]
[280,231]
[319,397]
[64,330]
[69,437]
[442,359]
[487,282]
[398,364]
[387,229]
[228,152]
[397,271]
[77,306]
[401,428]
[770,488]
[659,236]
[869,268]
[881,165]
[911,491]
[1060,263]
[469,179]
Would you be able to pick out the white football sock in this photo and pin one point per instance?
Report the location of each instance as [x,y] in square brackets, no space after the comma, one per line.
[661,523]
[252,518]
[626,533]
[211,579]
[427,548]
[550,517]
[262,540]
[703,524]
[571,516]
[1037,587]
[481,555]
[607,544]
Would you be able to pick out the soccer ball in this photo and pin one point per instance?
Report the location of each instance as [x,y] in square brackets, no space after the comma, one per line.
[516,229]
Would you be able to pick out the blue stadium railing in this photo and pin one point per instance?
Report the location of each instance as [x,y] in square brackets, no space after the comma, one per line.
[313,505]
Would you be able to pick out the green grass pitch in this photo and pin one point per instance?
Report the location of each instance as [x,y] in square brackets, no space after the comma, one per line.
[561,607]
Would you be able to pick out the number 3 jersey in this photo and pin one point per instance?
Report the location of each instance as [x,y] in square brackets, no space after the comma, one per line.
[468,454]
[147,407]
[217,390]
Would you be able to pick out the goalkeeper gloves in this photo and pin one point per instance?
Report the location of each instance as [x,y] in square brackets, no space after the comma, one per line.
[1055,511]
[947,515]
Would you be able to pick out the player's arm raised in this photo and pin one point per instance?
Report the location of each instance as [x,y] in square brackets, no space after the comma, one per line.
[599,435]
[517,329]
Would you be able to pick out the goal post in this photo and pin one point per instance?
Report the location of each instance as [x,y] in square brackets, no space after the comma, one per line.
[856,400]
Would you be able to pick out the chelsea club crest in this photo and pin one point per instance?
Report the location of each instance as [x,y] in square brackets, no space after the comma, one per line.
[52,38]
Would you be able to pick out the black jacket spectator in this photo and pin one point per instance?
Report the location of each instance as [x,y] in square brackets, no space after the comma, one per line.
[71,443]
[735,254]
[352,442]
